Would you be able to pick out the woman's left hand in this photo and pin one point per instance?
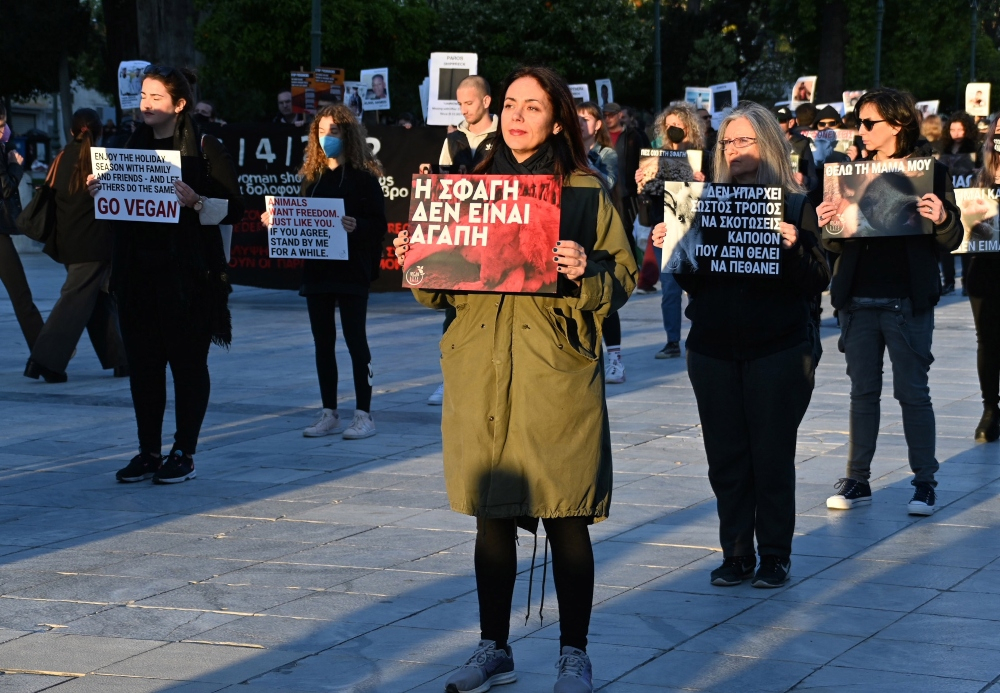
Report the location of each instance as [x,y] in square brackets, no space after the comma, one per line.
[571,260]
[931,207]
[789,235]
[350,223]
[185,193]
[699,176]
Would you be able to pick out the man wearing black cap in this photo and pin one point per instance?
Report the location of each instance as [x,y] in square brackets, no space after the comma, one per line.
[803,162]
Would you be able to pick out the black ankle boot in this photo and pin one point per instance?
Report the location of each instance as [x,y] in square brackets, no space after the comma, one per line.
[988,429]
[35,370]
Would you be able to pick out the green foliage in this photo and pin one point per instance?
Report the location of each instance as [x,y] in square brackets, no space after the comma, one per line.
[250,46]
[712,60]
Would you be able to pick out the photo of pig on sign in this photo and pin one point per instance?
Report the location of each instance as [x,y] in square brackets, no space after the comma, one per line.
[137,184]
[722,229]
[306,227]
[878,198]
[483,233]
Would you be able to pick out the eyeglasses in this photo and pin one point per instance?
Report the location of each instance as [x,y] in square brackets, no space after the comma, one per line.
[869,124]
[737,142]
[826,124]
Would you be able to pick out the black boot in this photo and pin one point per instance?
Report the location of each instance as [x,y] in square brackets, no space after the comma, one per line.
[988,429]
[33,369]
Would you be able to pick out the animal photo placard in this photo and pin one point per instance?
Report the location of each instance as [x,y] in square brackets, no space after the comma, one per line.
[980,219]
[877,198]
[491,234]
[722,229]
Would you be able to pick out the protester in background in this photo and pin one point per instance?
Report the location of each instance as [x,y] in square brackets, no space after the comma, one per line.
[406,120]
[628,143]
[338,164]
[982,279]
[961,137]
[888,287]
[752,353]
[601,154]
[121,138]
[932,130]
[108,133]
[83,244]
[532,442]
[206,113]
[710,133]
[11,270]
[171,280]
[463,149]
[803,164]
[678,128]
[827,118]
[286,114]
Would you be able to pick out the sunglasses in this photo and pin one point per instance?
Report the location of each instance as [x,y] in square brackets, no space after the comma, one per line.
[827,123]
[869,124]
[737,142]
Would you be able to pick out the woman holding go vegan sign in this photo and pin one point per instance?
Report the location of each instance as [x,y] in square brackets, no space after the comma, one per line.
[170,280]
[533,442]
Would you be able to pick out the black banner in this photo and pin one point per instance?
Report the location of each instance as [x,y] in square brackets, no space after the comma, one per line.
[267,158]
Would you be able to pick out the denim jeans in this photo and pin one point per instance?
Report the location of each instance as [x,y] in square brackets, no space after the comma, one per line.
[670,301]
[867,328]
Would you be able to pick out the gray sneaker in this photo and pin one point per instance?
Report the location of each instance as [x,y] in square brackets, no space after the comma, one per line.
[671,351]
[487,667]
[575,672]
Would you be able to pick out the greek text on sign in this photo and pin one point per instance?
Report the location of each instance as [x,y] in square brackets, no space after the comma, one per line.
[483,233]
[306,227]
[980,220]
[722,229]
[137,184]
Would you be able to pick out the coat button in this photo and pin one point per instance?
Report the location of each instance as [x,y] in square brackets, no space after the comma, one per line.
[491,418]
[558,345]
[483,325]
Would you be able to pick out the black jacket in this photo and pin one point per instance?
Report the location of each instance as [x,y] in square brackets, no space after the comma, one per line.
[78,236]
[461,152]
[741,318]
[363,200]
[628,147]
[920,252]
[812,180]
[10,200]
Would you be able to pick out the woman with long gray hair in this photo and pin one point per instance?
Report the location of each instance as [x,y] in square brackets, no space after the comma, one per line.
[752,351]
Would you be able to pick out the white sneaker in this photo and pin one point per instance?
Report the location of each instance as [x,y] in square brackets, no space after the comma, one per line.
[437,398]
[614,371]
[329,422]
[361,427]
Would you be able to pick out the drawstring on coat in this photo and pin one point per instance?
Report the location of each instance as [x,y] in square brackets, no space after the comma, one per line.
[531,579]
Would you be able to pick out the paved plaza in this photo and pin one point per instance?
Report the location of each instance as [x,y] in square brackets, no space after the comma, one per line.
[296,564]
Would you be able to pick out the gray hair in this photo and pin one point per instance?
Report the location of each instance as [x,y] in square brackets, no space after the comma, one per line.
[775,151]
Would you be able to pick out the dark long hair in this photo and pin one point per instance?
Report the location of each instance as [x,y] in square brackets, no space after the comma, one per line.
[177,82]
[990,157]
[85,129]
[355,148]
[968,126]
[567,144]
[899,110]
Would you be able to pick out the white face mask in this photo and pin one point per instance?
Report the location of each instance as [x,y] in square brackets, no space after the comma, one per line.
[996,143]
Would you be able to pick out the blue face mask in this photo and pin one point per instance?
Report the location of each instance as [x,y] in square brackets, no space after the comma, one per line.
[332,146]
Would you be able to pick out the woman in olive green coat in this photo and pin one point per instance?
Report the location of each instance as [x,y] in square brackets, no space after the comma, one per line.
[525,423]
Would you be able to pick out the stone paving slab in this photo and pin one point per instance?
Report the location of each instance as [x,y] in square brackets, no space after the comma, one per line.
[308,565]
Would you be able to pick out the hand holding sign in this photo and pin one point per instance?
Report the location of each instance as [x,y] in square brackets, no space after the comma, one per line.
[931,207]
[571,260]
[401,244]
[789,234]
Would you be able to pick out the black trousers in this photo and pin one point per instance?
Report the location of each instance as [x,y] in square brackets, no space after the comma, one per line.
[947,261]
[83,304]
[750,412]
[14,280]
[572,572]
[149,354]
[986,314]
[353,314]
[613,330]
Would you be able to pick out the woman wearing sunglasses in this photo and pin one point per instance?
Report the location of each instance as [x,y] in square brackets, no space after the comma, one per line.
[170,279]
[885,289]
[752,351]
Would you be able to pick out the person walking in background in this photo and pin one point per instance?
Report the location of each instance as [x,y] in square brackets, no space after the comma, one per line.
[532,442]
[628,143]
[463,149]
[751,359]
[11,270]
[338,164]
[678,128]
[983,282]
[171,280]
[886,289]
[83,244]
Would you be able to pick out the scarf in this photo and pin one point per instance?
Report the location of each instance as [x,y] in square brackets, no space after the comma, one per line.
[542,162]
[186,138]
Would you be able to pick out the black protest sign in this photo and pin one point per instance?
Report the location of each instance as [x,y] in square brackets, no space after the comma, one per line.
[961,167]
[980,220]
[878,198]
[267,159]
[722,229]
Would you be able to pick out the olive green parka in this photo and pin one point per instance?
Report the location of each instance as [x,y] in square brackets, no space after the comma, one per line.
[524,420]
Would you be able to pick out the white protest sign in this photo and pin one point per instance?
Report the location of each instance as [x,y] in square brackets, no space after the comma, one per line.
[376,89]
[447,72]
[130,73]
[580,92]
[137,184]
[605,92]
[977,98]
[306,227]
[724,100]
[425,90]
[804,91]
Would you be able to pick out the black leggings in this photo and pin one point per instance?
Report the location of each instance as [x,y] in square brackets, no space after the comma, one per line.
[572,571]
[613,330]
[148,357]
[353,312]
[986,314]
